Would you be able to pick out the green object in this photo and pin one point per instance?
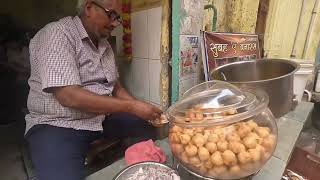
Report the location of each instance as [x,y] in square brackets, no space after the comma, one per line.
[175,50]
[215,15]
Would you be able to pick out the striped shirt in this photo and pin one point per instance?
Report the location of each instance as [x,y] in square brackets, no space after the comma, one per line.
[62,54]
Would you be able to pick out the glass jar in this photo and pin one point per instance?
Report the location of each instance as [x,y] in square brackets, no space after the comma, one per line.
[219,131]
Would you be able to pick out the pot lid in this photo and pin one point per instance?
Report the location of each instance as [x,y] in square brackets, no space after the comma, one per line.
[216,102]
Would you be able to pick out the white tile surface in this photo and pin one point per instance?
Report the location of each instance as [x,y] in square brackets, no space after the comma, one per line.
[155,104]
[125,72]
[140,78]
[118,32]
[154,32]
[139,26]
[154,77]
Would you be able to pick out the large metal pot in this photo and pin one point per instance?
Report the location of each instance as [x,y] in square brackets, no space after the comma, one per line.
[275,76]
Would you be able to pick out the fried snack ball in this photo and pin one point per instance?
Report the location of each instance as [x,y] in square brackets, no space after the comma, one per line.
[235,170]
[256,136]
[198,130]
[250,142]
[269,142]
[220,132]
[213,138]
[191,150]
[176,129]
[236,147]
[249,166]
[203,154]
[198,140]
[195,161]
[177,148]
[211,172]
[174,138]
[231,112]
[208,117]
[184,157]
[229,129]
[233,137]
[252,124]
[202,169]
[244,157]
[260,148]
[206,134]
[255,154]
[216,159]
[220,170]
[211,147]
[263,131]
[222,145]
[191,114]
[199,116]
[188,132]
[229,158]
[208,164]
[185,139]
[244,130]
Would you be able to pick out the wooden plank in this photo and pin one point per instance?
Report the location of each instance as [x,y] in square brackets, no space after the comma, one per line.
[233,16]
[288,26]
[314,34]
[175,50]
[269,26]
[221,18]
[261,23]
[165,55]
[283,20]
[139,5]
[304,22]
[242,15]
[249,13]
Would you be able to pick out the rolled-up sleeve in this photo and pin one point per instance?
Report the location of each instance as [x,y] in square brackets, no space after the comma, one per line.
[57,60]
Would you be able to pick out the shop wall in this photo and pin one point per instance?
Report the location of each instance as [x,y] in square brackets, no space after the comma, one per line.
[221,16]
[141,76]
[189,69]
[230,15]
[293,29]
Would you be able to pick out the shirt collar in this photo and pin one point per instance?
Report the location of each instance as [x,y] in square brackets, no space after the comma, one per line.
[103,43]
[82,31]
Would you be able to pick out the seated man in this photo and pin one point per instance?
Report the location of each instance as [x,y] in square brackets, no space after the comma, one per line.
[75,96]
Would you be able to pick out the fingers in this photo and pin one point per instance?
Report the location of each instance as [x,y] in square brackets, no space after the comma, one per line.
[158,111]
[156,115]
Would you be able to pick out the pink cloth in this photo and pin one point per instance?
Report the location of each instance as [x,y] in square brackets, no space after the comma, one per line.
[144,151]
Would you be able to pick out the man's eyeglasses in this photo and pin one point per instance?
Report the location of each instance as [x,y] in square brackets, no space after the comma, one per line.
[112,14]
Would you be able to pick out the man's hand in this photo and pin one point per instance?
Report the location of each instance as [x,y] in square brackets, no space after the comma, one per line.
[146,111]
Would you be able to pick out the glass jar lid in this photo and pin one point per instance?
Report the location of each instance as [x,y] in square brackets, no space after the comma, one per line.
[216,102]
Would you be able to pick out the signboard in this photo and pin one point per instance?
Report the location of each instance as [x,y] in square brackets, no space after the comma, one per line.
[222,48]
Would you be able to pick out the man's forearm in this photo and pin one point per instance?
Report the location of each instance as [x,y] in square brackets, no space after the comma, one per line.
[121,92]
[82,99]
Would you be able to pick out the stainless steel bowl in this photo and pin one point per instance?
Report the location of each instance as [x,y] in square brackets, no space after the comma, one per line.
[274,76]
[129,172]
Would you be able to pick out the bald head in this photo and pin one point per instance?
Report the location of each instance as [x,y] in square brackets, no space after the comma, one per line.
[82,4]
[99,17]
